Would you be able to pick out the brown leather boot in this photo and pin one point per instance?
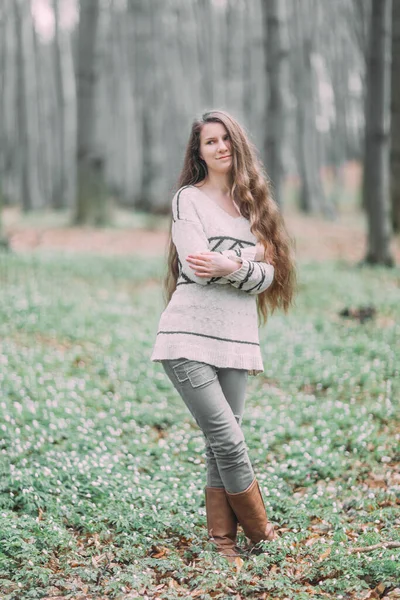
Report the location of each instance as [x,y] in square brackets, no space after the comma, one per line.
[221,523]
[250,510]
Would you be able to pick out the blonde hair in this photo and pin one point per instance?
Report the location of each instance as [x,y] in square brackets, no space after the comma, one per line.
[249,188]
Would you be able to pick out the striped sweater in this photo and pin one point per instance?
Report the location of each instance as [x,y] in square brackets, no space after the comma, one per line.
[212,320]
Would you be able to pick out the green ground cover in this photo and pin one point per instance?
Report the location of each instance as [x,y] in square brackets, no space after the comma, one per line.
[102,468]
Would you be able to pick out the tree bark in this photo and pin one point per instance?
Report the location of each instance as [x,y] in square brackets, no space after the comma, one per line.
[92,206]
[377,122]
[395,118]
[26,101]
[153,77]
[276,59]
[312,194]
[62,189]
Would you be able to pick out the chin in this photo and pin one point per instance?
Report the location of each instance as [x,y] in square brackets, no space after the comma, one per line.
[225,168]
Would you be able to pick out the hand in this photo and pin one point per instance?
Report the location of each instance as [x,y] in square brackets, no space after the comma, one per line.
[211,264]
[269,256]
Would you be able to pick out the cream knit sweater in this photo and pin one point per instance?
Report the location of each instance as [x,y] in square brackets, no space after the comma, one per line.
[212,320]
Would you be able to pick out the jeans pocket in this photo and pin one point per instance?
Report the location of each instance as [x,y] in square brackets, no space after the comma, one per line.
[198,373]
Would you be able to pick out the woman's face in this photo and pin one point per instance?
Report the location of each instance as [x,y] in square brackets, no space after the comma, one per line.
[215,147]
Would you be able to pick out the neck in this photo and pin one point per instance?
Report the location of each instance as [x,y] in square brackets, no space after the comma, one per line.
[220,182]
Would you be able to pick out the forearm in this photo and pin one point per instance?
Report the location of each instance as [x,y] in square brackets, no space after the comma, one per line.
[189,238]
[253,274]
[252,277]
[254,252]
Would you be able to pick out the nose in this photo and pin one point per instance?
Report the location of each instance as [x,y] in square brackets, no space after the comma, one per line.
[222,147]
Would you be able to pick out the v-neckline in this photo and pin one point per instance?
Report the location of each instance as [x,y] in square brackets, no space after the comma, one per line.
[217,205]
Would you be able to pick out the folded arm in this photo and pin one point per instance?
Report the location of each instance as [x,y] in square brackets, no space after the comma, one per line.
[250,253]
[189,238]
[252,277]
[255,275]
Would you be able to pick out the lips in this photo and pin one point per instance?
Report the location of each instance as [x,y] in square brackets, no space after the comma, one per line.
[227,156]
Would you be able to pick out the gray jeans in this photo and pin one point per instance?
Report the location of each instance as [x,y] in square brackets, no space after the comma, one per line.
[216,398]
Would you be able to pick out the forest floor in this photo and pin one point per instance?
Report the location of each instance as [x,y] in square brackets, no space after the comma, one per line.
[315,238]
[102,468]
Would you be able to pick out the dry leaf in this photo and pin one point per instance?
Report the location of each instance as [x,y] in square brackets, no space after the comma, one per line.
[238,564]
[376,592]
[312,540]
[325,554]
[370,594]
[158,551]
[273,569]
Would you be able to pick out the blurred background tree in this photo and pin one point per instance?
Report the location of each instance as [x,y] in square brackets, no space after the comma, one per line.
[395,118]
[376,151]
[97,99]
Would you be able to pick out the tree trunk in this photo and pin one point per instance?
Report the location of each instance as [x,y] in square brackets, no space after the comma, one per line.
[312,195]
[3,238]
[152,78]
[377,120]
[59,199]
[395,118]
[276,57]
[26,100]
[92,205]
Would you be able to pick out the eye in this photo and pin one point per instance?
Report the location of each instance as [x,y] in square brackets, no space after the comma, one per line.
[210,142]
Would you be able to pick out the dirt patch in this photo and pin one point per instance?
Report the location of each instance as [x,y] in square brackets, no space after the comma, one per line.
[315,239]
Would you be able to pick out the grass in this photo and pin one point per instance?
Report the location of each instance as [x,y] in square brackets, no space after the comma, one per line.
[102,467]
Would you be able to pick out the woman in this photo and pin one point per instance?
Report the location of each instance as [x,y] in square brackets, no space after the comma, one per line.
[229,261]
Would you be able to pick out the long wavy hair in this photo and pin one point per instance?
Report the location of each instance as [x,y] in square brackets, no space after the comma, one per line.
[250,189]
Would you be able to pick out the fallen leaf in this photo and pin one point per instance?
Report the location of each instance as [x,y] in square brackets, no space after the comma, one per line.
[312,540]
[325,554]
[376,592]
[273,569]
[238,564]
[158,551]
[380,588]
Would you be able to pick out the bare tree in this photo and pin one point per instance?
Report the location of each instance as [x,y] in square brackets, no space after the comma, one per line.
[26,102]
[3,55]
[377,119]
[152,80]
[304,31]
[91,206]
[395,118]
[276,59]
[64,187]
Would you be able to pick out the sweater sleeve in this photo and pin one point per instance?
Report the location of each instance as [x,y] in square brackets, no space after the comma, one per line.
[250,252]
[252,277]
[189,237]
